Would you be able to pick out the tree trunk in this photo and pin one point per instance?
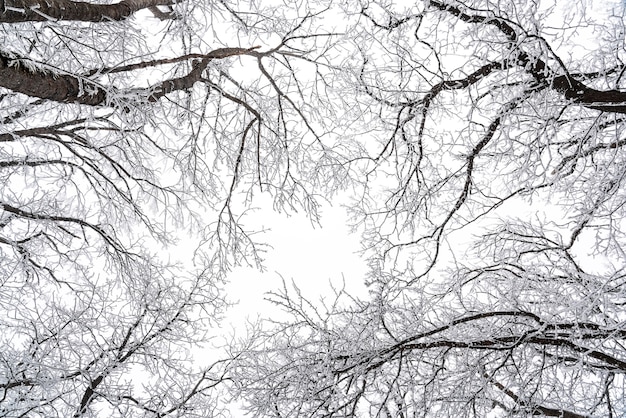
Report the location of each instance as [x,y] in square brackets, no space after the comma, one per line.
[12,11]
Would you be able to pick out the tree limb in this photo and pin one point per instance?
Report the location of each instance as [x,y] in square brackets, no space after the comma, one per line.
[67,88]
[13,11]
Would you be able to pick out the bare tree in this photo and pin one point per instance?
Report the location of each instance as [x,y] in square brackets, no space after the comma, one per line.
[483,143]
[115,144]
[493,169]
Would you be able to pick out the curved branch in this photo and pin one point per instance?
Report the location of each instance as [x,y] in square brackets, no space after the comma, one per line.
[613,101]
[13,11]
[67,88]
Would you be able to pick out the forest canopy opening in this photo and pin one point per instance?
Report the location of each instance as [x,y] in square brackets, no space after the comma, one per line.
[479,144]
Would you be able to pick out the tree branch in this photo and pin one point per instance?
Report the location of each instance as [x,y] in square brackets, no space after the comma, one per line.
[66,88]
[13,11]
[613,101]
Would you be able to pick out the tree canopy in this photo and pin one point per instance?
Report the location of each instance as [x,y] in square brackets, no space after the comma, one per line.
[480,145]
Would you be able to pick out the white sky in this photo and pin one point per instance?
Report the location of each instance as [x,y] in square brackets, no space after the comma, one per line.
[313,257]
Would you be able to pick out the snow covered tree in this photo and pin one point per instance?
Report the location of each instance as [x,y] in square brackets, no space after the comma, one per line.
[125,127]
[481,142]
[490,193]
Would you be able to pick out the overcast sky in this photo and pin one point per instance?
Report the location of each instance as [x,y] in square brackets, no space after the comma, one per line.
[313,257]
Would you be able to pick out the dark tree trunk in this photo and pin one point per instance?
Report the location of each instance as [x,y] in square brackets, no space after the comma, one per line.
[76,89]
[45,85]
[12,11]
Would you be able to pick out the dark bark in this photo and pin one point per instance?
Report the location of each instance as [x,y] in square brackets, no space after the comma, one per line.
[88,396]
[74,89]
[613,101]
[12,11]
[605,100]
[46,85]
